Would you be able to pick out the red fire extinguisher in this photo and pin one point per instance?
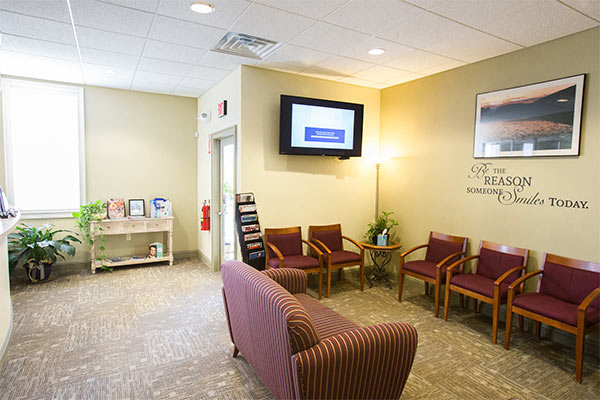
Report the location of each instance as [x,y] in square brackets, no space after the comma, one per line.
[205,221]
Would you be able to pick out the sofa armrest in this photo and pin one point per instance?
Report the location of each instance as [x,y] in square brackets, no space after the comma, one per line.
[370,362]
[293,280]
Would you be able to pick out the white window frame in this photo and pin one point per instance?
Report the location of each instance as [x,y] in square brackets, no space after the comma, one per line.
[7,85]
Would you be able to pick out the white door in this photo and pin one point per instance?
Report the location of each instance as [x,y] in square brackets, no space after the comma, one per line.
[227,195]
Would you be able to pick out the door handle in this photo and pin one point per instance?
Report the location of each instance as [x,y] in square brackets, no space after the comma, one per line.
[220,213]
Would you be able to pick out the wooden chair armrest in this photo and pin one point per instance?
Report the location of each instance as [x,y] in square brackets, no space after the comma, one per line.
[407,252]
[523,278]
[586,302]
[322,244]
[450,257]
[315,248]
[508,273]
[275,250]
[354,242]
[461,261]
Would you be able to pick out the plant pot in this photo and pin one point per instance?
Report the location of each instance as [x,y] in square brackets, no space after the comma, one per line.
[38,272]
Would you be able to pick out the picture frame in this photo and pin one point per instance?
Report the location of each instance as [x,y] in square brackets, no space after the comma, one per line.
[115,208]
[536,120]
[137,207]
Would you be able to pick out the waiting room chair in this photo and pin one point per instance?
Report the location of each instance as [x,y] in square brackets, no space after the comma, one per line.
[497,266]
[284,250]
[442,250]
[328,238]
[566,298]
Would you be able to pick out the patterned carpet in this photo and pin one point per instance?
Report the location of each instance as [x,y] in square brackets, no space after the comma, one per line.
[159,332]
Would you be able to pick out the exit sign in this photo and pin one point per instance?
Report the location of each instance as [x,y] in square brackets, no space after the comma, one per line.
[222,109]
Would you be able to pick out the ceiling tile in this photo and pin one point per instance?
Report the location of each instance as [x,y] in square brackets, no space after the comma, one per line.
[381,74]
[95,14]
[163,67]
[442,67]
[428,4]
[173,52]
[423,30]
[279,67]
[359,82]
[297,56]
[269,23]
[37,28]
[208,73]
[406,78]
[145,5]
[108,58]
[55,10]
[310,8]
[322,73]
[589,7]
[109,41]
[416,61]
[373,17]
[472,45]
[184,33]
[194,83]
[41,47]
[225,61]
[28,66]
[96,75]
[225,14]
[329,38]
[343,65]
[187,92]
[152,82]
[540,24]
[392,50]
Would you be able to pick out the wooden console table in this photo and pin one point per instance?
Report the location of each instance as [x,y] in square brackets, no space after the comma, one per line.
[127,226]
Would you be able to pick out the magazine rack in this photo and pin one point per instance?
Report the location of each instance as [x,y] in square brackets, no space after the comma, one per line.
[248,229]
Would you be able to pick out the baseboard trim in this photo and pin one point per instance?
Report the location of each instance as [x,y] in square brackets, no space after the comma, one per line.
[7,338]
[207,261]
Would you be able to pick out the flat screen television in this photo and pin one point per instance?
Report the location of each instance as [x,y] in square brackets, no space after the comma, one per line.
[320,127]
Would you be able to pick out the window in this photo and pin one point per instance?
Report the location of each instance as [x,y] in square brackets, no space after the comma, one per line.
[43,147]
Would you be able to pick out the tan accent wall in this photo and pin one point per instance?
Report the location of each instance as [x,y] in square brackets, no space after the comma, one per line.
[139,145]
[429,124]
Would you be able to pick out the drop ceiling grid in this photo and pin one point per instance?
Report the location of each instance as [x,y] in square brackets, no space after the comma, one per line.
[432,36]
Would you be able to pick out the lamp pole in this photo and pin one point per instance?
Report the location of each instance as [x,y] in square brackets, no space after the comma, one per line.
[377,190]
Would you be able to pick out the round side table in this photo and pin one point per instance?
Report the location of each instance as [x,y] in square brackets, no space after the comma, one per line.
[381,256]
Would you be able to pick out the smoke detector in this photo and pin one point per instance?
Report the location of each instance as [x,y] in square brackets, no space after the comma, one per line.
[240,44]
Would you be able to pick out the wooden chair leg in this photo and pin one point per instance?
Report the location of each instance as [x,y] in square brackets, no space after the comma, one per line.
[508,327]
[579,352]
[475,306]
[362,276]
[438,284]
[426,288]
[538,329]
[446,300]
[235,351]
[462,300]
[340,273]
[400,285]
[495,321]
[328,281]
[521,324]
[320,277]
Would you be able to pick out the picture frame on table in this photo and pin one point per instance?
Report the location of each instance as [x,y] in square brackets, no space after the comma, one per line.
[536,120]
[137,208]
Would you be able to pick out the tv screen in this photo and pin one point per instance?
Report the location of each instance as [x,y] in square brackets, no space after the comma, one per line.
[320,127]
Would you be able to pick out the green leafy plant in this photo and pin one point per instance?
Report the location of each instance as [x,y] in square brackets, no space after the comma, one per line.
[32,247]
[381,223]
[87,214]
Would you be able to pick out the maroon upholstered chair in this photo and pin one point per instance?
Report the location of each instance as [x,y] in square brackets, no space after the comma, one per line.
[442,250]
[566,298]
[497,266]
[328,238]
[284,250]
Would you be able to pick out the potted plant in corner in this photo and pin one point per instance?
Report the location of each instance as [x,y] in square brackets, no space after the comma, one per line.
[93,211]
[382,223]
[38,249]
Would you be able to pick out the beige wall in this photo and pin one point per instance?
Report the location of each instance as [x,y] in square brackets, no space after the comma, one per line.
[305,190]
[429,124]
[140,145]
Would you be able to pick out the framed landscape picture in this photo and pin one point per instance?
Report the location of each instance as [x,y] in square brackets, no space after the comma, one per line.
[542,119]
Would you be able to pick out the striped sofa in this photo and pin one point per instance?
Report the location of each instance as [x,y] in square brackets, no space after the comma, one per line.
[302,349]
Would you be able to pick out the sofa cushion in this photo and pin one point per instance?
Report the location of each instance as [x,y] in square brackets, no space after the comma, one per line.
[332,239]
[343,256]
[569,284]
[299,262]
[289,244]
[479,284]
[438,249]
[325,320]
[492,264]
[555,308]
[425,268]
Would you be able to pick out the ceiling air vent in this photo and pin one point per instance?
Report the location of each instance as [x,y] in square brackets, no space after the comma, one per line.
[240,44]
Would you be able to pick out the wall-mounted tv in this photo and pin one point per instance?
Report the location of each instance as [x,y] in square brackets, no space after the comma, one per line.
[320,127]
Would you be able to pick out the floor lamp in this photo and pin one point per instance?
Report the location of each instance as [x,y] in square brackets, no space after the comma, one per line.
[378,162]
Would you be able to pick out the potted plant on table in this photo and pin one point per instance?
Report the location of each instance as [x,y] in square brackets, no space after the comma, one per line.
[382,223]
[38,249]
[87,214]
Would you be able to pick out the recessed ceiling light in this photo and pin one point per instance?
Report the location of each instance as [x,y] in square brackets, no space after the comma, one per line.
[202,7]
[376,52]
[562,100]
[110,71]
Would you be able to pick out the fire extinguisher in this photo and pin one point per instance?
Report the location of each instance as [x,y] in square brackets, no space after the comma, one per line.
[205,221]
